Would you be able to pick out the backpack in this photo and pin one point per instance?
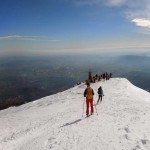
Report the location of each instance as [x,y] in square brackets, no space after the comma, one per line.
[89,93]
[100,92]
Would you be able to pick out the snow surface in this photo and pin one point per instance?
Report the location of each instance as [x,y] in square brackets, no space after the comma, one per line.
[56,122]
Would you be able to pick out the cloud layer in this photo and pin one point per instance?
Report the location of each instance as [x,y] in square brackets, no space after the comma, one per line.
[28,38]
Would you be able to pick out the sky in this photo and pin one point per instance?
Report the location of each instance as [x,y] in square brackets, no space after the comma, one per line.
[73,26]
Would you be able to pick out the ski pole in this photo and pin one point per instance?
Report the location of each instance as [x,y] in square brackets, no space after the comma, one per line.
[83,108]
[95,108]
[103,97]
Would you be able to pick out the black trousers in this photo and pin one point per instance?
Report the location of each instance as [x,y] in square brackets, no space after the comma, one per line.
[100,98]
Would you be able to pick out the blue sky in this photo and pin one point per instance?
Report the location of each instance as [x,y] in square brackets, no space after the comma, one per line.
[73,26]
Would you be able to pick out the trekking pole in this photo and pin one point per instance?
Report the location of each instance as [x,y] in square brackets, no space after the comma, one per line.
[83,108]
[103,98]
[95,108]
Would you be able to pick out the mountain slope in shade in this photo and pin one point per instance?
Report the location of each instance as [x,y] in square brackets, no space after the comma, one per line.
[56,122]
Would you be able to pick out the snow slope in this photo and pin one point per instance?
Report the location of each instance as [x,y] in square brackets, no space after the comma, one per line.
[55,122]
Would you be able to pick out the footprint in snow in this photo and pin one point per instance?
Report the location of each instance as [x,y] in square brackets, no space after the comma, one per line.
[127,129]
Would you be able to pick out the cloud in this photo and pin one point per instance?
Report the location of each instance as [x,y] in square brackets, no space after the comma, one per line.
[137,12]
[9,37]
[133,8]
[100,2]
[116,2]
[142,22]
[27,38]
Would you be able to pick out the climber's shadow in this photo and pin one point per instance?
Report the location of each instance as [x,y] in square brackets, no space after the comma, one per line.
[70,123]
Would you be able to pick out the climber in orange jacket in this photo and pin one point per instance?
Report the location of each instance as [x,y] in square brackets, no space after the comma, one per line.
[88,93]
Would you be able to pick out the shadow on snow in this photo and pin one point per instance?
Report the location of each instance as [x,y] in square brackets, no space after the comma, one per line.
[70,123]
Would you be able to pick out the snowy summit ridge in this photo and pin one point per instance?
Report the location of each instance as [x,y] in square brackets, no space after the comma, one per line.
[55,122]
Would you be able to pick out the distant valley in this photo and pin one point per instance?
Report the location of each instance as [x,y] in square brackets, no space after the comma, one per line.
[24,79]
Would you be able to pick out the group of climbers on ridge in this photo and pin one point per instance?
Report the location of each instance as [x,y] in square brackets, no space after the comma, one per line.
[100,77]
